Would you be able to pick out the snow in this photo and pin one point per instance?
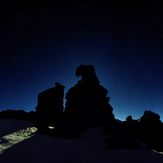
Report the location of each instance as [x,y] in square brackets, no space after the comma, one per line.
[89,148]
[9,140]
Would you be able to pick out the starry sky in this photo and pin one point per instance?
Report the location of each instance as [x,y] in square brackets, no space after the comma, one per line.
[43,43]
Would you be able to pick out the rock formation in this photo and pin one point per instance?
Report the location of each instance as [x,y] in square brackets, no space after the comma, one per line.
[87,102]
[50,107]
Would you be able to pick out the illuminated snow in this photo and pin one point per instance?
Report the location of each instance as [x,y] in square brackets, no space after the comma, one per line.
[158,152]
[8,141]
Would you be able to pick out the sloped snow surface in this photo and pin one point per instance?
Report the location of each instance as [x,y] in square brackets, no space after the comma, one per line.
[90,148]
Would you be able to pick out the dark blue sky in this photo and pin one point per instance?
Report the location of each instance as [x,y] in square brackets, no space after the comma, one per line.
[44,43]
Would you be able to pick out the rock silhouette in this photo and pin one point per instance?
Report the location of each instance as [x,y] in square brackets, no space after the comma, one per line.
[87,102]
[130,126]
[87,105]
[151,130]
[50,107]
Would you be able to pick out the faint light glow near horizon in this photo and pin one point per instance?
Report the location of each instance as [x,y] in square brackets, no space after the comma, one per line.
[51,127]
[8,141]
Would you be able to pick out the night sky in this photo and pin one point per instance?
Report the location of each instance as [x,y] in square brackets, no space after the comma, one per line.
[43,43]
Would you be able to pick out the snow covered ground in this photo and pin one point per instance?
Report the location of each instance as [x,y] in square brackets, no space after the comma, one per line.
[89,148]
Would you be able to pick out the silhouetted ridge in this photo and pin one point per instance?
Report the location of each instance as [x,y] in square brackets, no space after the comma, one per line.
[18,114]
[87,101]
